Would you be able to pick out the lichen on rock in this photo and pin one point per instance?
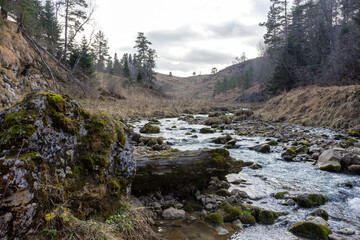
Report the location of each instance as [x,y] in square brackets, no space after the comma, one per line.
[69,157]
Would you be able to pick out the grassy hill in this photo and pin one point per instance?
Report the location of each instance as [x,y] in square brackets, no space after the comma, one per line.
[203,87]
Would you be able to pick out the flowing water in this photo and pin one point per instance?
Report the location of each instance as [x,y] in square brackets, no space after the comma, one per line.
[275,176]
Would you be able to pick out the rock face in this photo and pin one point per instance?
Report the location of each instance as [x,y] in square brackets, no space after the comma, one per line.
[68,155]
[330,161]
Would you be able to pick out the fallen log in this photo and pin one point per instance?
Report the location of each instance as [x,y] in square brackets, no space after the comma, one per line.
[182,173]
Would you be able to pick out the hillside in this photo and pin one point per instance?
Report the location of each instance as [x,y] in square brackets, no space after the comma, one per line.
[202,87]
[332,107]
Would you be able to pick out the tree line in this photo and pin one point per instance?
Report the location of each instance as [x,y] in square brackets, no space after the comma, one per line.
[313,42]
[56,26]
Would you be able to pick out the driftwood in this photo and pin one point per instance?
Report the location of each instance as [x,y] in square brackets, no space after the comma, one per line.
[183,172]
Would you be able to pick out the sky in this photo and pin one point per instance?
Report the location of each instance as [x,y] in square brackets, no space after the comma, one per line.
[188,35]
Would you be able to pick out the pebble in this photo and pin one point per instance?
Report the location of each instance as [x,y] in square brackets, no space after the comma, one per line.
[336,237]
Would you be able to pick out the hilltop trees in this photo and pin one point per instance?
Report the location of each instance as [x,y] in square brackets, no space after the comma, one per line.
[313,43]
[100,50]
[144,59]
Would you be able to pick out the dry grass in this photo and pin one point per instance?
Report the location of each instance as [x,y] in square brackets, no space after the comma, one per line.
[334,107]
[140,101]
[129,223]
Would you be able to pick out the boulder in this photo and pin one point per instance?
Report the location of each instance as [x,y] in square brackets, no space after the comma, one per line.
[310,200]
[207,130]
[263,148]
[289,154]
[172,213]
[321,213]
[317,220]
[336,237]
[329,161]
[65,155]
[354,169]
[149,128]
[310,230]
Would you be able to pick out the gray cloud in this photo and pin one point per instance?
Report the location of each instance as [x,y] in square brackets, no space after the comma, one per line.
[232,29]
[186,33]
[261,7]
[176,35]
[207,56]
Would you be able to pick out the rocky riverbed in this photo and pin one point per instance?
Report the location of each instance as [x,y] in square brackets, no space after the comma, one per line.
[294,174]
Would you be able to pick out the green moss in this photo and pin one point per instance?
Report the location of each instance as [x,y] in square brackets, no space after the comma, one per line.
[220,157]
[353,133]
[310,230]
[280,195]
[188,133]
[331,168]
[273,143]
[95,162]
[121,138]
[310,200]
[148,128]
[231,213]
[267,217]
[246,217]
[61,122]
[291,151]
[214,218]
[223,192]
[56,101]
[302,149]
[207,130]
[192,206]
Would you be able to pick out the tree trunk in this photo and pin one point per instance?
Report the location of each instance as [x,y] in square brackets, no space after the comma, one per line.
[66,28]
[183,173]
[3,13]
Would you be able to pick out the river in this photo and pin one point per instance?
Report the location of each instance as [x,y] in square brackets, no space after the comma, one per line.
[276,175]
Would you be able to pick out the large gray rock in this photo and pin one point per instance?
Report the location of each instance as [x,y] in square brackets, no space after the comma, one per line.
[263,148]
[172,213]
[67,155]
[329,161]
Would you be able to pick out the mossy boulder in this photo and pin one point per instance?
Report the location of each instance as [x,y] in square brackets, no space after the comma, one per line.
[264,216]
[149,128]
[207,130]
[320,213]
[310,200]
[280,195]
[263,148]
[330,160]
[192,206]
[354,133]
[289,154]
[214,218]
[310,230]
[222,140]
[67,156]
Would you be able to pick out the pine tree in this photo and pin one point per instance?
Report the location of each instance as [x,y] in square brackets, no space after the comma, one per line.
[145,58]
[101,51]
[81,57]
[51,27]
[126,69]
[75,17]
[117,66]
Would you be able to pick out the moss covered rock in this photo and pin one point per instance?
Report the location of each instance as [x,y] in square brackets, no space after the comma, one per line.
[310,230]
[214,218]
[310,200]
[263,148]
[67,155]
[289,154]
[207,130]
[149,128]
[329,161]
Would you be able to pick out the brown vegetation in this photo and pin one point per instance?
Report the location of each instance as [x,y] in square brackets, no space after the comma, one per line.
[334,107]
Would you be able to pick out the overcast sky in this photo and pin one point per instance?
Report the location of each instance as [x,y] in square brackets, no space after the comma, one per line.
[188,35]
